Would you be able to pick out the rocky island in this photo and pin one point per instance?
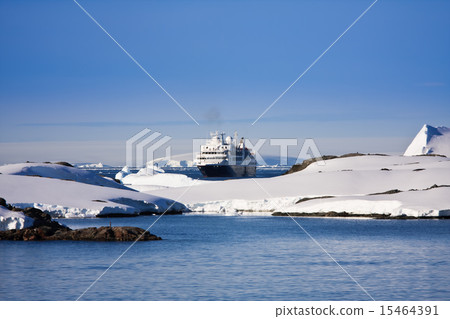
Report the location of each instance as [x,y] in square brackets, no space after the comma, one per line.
[34,224]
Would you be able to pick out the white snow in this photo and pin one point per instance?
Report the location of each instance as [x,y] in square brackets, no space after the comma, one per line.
[124,172]
[153,178]
[13,220]
[242,207]
[58,172]
[430,140]
[353,178]
[424,203]
[72,192]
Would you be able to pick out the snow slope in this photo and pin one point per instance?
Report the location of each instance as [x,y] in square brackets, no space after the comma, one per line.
[13,220]
[355,177]
[70,192]
[154,178]
[58,172]
[420,203]
[124,172]
[430,140]
[159,181]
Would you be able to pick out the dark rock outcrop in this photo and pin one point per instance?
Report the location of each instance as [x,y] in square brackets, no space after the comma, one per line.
[106,234]
[64,164]
[44,228]
[85,234]
[306,163]
[299,167]
[334,214]
[389,192]
[352,215]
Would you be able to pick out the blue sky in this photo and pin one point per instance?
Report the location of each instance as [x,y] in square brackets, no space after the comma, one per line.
[63,80]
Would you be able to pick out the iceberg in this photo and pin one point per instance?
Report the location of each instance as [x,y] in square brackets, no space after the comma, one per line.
[92,165]
[164,162]
[430,140]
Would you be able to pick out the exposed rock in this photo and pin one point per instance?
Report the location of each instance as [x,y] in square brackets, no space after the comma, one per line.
[105,234]
[354,154]
[332,214]
[440,155]
[64,164]
[3,202]
[436,186]
[304,199]
[389,192]
[306,163]
[44,228]
[351,215]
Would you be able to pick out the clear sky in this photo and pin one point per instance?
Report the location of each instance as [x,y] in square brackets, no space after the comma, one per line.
[62,80]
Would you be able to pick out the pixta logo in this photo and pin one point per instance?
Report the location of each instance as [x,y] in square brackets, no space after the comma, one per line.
[141,147]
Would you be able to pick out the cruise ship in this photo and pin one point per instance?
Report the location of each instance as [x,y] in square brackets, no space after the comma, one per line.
[226,157]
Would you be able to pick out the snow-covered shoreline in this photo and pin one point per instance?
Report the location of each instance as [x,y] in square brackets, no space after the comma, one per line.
[419,204]
[362,185]
[350,181]
[71,192]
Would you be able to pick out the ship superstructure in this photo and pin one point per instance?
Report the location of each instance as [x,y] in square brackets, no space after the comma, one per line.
[226,157]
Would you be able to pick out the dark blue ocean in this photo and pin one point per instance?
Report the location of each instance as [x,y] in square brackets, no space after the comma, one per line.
[237,258]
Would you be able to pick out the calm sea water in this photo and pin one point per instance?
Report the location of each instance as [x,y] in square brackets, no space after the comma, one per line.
[237,258]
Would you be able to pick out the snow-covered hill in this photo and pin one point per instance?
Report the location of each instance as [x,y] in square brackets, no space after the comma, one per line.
[430,140]
[415,203]
[143,182]
[350,180]
[58,172]
[70,192]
